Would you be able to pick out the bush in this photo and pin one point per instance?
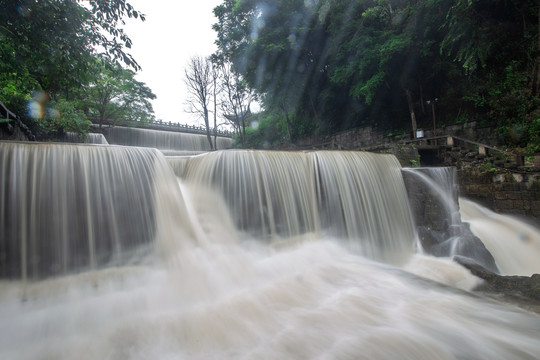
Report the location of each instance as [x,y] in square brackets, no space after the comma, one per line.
[63,117]
[263,133]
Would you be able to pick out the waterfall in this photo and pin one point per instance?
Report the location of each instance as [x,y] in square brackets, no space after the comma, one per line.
[92,138]
[65,208]
[105,253]
[162,140]
[355,196]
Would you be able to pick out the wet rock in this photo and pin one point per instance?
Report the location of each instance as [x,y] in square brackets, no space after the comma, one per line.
[433,198]
[523,291]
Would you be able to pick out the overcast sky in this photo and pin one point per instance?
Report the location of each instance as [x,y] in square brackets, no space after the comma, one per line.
[173,32]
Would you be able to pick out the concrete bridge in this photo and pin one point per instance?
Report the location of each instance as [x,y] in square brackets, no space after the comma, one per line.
[166,126]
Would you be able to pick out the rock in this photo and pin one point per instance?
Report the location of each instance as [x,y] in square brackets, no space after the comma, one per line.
[467,246]
[523,291]
[435,210]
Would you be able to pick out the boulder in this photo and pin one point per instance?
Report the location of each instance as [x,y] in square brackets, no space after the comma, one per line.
[523,291]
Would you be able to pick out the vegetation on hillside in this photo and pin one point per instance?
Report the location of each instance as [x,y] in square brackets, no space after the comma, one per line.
[322,66]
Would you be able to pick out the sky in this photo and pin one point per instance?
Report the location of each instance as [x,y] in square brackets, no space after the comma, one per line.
[173,32]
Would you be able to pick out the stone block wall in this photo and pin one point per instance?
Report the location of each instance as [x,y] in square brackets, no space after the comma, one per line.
[366,137]
[506,193]
[359,137]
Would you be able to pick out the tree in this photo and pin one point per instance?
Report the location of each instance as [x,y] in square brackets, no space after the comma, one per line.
[216,91]
[116,95]
[331,65]
[51,46]
[56,40]
[199,81]
[279,50]
[236,100]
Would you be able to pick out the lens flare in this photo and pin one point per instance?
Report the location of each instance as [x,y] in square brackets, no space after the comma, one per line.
[34,109]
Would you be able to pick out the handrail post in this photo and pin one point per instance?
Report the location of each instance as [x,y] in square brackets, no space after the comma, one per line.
[482,150]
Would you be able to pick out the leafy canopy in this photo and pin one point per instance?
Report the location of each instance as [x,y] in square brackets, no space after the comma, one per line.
[321,66]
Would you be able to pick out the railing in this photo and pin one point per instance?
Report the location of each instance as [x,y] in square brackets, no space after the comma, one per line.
[437,142]
[165,126]
[7,112]
[482,149]
[188,128]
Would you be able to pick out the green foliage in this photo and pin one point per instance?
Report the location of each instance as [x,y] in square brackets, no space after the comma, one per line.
[509,103]
[64,117]
[115,94]
[486,168]
[50,47]
[534,134]
[331,65]
[264,133]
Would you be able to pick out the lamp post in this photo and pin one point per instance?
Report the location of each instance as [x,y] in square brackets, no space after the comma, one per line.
[432,102]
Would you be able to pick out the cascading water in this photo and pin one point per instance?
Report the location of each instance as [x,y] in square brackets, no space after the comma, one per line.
[162,140]
[515,244]
[434,198]
[91,138]
[212,292]
[355,196]
[68,207]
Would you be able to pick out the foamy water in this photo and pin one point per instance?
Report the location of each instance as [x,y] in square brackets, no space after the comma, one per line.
[315,300]
[206,287]
[514,243]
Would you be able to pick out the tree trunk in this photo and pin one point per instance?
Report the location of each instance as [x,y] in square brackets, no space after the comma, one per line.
[422,98]
[101,118]
[207,123]
[215,114]
[411,110]
[288,121]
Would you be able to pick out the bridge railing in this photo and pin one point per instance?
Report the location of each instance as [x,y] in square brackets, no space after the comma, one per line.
[165,125]
[189,128]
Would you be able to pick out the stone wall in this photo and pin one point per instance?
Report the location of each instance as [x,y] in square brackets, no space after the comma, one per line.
[506,193]
[15,130]
[366,137]
[359,138]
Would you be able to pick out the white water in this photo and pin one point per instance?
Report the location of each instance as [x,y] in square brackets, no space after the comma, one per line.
[91,138]
[514,243]
[310,301]
[162,140]
[209,291]
[358,197]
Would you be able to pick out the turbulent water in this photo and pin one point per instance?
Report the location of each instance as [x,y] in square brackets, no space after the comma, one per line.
[514,243]
[210,287]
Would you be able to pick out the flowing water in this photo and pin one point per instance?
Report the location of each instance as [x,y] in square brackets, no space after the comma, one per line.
[91,138]
[514,243]
[250,255]
[163,140]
